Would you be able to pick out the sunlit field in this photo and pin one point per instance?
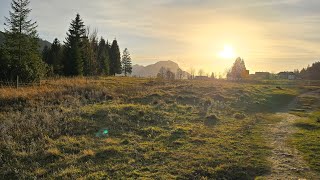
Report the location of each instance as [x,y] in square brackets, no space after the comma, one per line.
[99,128]
[186,90]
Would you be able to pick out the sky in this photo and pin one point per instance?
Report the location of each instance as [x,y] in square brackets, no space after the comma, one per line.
[273,35]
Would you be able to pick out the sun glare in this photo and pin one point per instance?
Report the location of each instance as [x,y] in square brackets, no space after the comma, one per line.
[227,52]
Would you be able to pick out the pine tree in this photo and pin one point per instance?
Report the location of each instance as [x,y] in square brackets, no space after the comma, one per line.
[46,55]
[311,72]
[4,65]
[115,59]
[56,57]
[74,43]
[103,57]
[21,47]
[86,55]
[212,76]
[126,62]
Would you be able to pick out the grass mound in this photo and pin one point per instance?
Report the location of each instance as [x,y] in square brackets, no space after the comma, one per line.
[211,120]
[239,116]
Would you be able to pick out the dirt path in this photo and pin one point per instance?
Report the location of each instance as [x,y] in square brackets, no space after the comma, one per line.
[287,162]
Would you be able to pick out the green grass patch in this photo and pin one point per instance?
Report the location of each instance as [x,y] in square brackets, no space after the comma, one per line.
[307,139]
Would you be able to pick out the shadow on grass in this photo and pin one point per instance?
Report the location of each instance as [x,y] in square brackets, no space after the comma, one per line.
[228,172]
[274,104]
[307,126]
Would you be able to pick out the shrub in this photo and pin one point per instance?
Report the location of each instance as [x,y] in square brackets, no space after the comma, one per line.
[211,120]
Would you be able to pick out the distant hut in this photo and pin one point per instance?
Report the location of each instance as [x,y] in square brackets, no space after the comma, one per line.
[287,75]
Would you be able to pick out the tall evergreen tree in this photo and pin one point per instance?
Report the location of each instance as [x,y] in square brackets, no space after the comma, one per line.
[103,57]
[4,65]
[108,47]
[115,59]
[74,43]
[56,56]
[21,48]
[126,62]
[46,55]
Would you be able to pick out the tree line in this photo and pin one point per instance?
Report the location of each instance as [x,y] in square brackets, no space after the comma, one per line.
[168,74]
[311,72]
[81,54]
[239,71]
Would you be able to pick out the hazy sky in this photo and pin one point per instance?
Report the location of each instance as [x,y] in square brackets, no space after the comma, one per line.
[271,35]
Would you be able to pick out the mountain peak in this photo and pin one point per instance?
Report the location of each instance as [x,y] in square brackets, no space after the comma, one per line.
[168,61]
[153,69]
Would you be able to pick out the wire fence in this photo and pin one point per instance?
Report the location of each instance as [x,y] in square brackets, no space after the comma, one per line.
[47,81]
[17,83]
[8,84]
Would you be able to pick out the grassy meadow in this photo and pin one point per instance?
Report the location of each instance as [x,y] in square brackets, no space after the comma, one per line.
[156,129]
[307,138]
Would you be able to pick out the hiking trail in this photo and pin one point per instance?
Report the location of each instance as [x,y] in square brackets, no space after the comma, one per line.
[287,162]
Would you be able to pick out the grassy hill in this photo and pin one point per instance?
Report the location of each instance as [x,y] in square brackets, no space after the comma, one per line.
[134,128]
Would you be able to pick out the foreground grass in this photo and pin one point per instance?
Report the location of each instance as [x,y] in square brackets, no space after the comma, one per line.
[307,139]
[157,129]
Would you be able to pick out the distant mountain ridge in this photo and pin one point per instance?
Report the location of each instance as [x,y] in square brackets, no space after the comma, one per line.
[153,69]
[42,43]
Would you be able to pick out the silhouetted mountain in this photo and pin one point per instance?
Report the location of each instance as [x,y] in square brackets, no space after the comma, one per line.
[153,69]
[42,43]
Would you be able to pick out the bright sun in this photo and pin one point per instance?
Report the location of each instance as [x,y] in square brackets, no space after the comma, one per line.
[227,52]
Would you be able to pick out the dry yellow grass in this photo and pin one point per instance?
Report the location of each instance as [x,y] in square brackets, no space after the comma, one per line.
[88,152]
[156,129]
[25,92]
[63,84]
[54,151]
[112,141]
